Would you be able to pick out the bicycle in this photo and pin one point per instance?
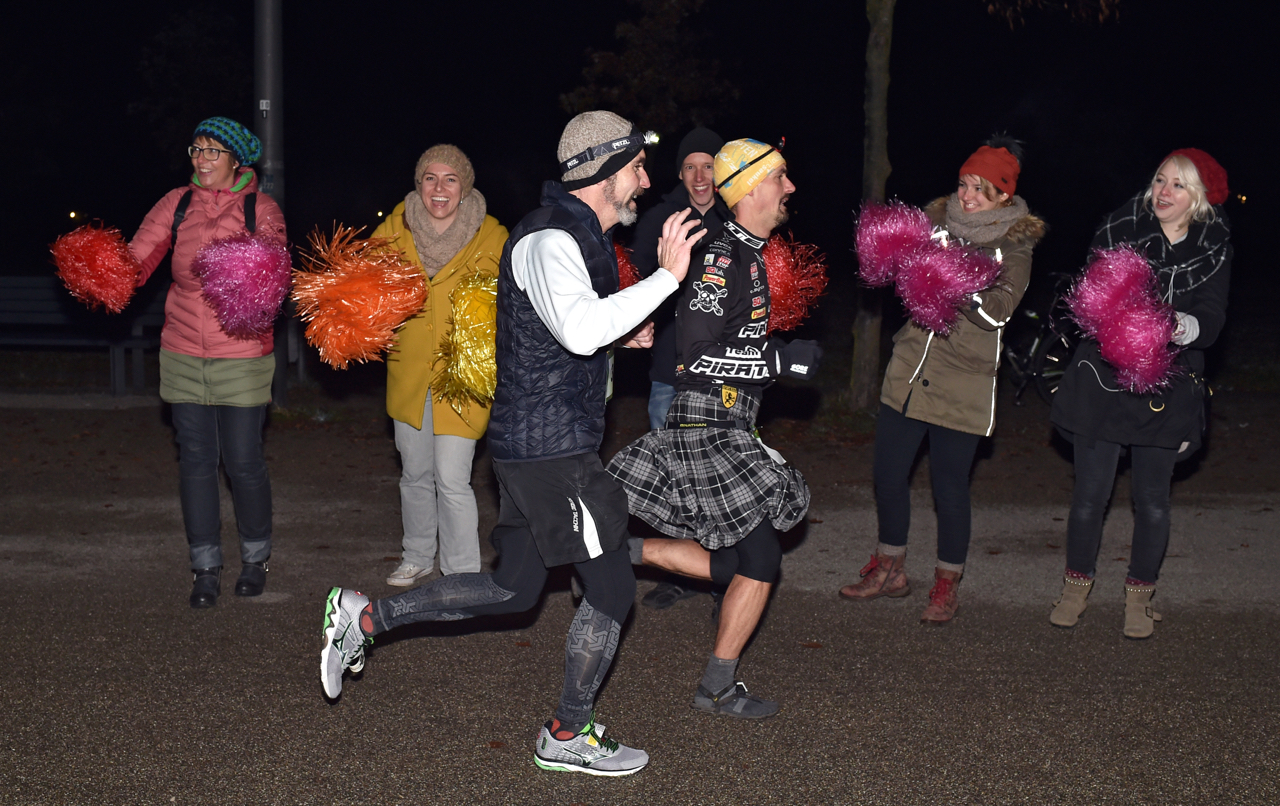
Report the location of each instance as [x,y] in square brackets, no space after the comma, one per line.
[1041,360]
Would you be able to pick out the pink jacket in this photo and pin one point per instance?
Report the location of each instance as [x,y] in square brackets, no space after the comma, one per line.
[190,324]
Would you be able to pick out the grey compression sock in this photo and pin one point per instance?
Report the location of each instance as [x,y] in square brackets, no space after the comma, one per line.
[719,674]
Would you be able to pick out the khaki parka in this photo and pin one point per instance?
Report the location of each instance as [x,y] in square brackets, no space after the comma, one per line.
[951,380]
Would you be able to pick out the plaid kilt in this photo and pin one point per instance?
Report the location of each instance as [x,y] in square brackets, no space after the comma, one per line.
[713,485]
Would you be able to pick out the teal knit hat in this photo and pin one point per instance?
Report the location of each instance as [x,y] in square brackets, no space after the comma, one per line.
[242,142]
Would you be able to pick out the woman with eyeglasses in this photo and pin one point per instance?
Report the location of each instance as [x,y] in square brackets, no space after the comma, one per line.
[218,385]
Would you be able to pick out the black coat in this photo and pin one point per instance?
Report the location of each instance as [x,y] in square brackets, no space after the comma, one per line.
[644,254]
[1194,276]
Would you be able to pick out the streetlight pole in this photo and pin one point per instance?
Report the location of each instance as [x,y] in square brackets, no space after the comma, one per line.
[268,85]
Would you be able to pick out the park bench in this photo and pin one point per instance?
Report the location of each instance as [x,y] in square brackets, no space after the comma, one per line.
[37,311]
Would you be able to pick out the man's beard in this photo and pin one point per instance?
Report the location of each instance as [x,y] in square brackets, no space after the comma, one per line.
[782,217]
[627,214]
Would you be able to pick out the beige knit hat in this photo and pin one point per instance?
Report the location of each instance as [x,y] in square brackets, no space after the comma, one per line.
[452,156]
[583,133]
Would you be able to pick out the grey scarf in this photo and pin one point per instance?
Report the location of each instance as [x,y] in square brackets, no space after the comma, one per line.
[435,249]
[984,226]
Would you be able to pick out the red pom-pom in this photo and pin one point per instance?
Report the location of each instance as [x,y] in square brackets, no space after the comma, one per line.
[96,266]
[1117,302]
[245,279]
[935,282]
[797,274]
[355,295]
[886,235]
[628,275]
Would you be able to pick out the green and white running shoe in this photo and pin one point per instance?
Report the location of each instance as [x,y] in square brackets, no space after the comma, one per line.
[588,751]
[344,641]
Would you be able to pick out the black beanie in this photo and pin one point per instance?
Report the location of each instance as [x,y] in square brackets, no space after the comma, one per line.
[700,140]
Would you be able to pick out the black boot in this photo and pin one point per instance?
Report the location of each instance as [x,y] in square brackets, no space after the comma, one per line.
[253,579]
[205,589]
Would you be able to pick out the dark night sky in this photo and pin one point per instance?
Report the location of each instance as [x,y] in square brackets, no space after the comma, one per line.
[368,87]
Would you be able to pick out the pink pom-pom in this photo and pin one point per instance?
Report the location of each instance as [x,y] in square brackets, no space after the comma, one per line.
[935,282]
[1117,302]
[245,279]
[1114,280]
[797,274]
[96,266]
[1136,343]
[886,235]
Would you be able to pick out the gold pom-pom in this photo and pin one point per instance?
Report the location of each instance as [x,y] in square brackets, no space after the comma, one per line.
[354,294]
[469,373]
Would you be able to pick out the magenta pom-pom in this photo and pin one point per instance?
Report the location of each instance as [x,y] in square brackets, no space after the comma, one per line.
[1137,345]
[935,282]
[245,279]
[96,266]
[1116,301]
[1113,281]
[886,236]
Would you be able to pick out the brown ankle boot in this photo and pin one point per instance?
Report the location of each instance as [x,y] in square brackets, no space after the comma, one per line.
[1139,619]
[883,576]
[1067,610]
[942,598]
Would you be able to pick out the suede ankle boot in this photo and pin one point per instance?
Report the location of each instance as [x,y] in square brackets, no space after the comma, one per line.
[1139,618]
[942,598]
[1067,610]
[883,576]
[206,587]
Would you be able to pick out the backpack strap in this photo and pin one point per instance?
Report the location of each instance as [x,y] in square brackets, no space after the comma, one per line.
[250,212]
[179,213]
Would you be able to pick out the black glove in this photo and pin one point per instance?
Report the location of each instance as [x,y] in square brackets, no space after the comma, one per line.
[800,358]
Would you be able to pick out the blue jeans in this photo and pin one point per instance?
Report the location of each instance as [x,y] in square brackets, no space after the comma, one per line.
[660,397]
[232,434]
[1095,466]
[951,453]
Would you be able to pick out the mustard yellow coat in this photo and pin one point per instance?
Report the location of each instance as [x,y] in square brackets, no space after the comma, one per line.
[411,362]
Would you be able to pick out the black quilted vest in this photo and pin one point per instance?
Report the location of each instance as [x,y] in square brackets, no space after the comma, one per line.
[549,402]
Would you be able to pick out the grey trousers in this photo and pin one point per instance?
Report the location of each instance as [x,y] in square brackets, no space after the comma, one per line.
[437,504]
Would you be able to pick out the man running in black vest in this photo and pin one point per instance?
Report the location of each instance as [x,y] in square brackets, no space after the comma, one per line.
[559,314]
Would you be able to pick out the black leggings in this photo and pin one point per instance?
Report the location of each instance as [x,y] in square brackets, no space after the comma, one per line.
[1095,464]
[951,455]
[757,556]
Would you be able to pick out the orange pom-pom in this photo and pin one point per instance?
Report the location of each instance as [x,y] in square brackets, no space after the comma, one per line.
[354,294]
[96,266]
[628,275]
[797,275]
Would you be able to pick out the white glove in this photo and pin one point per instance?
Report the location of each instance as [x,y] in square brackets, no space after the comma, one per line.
[1187,329]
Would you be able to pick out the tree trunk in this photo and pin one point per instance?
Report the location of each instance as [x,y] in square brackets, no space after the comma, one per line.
[864,380]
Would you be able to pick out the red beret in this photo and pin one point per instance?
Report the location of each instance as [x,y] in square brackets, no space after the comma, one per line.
[996,165]
[1213,175]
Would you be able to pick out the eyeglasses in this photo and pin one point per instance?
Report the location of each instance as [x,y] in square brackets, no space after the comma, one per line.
[211,154]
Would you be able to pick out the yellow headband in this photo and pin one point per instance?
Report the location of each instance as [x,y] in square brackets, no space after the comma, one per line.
[741,165]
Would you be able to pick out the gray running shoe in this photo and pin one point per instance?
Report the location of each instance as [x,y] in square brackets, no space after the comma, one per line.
[344,642]
[588,751]
[734,701]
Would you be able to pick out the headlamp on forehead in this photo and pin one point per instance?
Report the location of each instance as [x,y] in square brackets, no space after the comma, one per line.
[631,143]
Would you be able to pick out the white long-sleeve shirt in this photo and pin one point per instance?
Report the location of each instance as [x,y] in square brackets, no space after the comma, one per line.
[548,266]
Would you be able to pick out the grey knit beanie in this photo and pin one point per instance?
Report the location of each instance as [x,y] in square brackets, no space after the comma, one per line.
[452,156]
[585,131]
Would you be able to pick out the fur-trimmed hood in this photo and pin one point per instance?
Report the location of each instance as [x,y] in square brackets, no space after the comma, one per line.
[1027,230]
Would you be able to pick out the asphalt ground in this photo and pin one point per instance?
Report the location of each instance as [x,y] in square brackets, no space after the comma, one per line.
[117,692]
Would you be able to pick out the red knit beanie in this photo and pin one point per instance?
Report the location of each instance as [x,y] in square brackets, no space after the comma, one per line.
[996,165]
[1213,175]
